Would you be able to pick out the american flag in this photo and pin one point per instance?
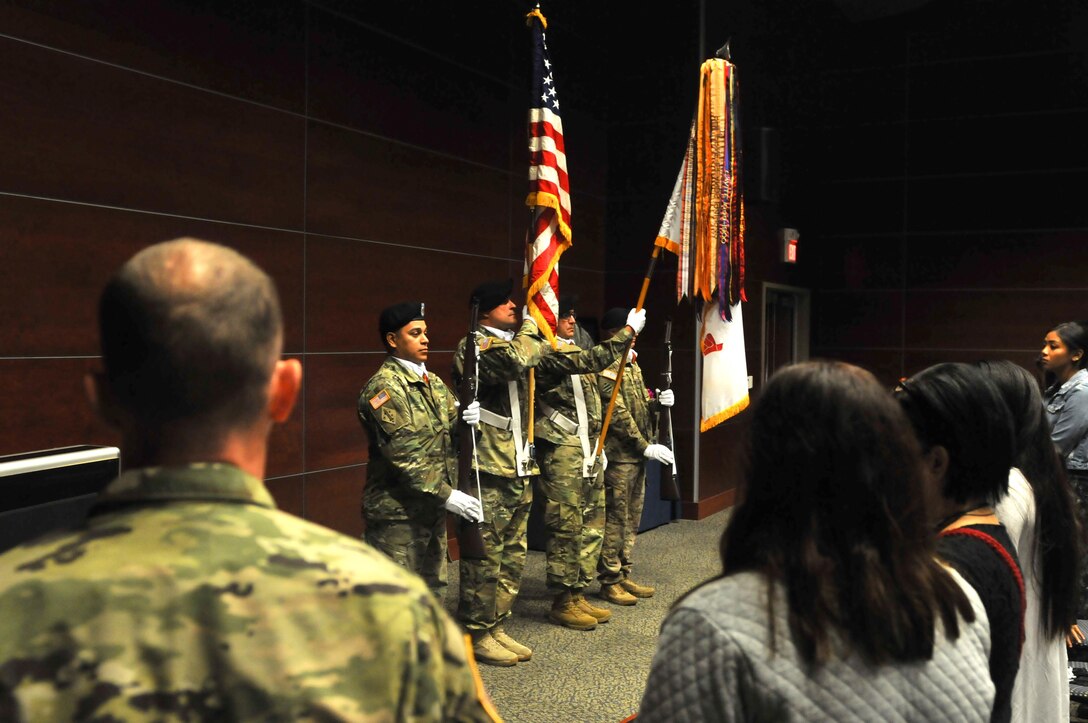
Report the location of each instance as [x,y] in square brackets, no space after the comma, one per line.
[549,189]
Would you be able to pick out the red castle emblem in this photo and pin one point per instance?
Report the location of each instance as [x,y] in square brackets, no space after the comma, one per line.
[709,347]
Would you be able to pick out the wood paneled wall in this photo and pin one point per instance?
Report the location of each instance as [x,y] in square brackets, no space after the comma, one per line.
[360,160]
[930,161]
[938,166]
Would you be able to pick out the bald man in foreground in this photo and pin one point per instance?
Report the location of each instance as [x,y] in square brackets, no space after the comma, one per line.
[186,595]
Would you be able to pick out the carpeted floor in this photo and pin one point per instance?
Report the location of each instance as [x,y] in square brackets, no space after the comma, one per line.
[597,676]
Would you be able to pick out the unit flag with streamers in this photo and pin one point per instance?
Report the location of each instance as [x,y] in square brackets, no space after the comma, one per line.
[704,226]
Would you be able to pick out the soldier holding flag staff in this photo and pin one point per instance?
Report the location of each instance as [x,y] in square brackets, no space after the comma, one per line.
[628,447]
[569,417]
[410,417]
[505,461]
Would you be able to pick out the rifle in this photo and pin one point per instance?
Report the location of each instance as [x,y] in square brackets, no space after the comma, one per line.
[468,533]
[670,484]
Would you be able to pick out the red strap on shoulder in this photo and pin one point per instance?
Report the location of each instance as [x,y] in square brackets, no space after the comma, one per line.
[1005,556]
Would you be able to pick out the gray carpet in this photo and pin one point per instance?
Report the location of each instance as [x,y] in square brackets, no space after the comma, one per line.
[597,676]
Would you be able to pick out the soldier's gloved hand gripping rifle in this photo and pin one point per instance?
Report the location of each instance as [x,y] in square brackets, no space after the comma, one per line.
[469,537]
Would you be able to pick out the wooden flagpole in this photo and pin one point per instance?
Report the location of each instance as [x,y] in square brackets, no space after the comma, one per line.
[626,354]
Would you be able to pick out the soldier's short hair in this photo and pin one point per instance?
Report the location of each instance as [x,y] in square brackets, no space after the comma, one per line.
[190,330]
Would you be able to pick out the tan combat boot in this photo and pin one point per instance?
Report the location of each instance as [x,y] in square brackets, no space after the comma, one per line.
[524,652]
[566,612]
[602,615]
[635,589]
[487,650]
[615,594]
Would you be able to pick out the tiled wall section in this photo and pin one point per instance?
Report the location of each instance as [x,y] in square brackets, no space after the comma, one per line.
[359,161]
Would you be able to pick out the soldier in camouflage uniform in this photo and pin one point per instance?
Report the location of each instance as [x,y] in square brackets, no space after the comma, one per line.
[410,417]
[187,595]
[505,466]
[627,446]
[568,423]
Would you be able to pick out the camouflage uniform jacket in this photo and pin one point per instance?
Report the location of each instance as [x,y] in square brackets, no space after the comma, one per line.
[555,388]
[504,361]
[632,428]
[188,596]
[411,426]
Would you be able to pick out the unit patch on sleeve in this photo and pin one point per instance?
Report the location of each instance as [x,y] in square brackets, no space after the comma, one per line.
[389,416]
[379,399]
[485,343]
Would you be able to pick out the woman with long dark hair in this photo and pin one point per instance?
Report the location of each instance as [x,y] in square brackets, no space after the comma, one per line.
[831,604]
[966,432]
[1040,516]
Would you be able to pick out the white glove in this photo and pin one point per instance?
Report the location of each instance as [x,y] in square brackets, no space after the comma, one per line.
[659,452]
[666,398]
[471,415]
[526,316]
[466,506]
[604,461]
[636,319]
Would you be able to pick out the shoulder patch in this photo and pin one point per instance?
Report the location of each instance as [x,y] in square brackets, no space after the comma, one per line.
[389,415]
[609,374]
[379,399]
[485,343]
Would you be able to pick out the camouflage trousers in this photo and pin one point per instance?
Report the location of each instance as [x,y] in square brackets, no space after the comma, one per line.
[490,586]
[417,545]
[573,517]
[625,492]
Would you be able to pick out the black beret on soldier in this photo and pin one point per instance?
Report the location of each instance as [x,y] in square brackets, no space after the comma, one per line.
[491,294]
[567,305]
[394,317]
[615,318]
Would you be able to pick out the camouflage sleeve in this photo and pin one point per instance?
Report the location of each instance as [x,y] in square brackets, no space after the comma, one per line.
[506,361]
[405,438]
[622,427]
[591,360]
[453,413]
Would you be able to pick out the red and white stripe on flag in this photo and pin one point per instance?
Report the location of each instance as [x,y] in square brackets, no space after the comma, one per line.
[549,232]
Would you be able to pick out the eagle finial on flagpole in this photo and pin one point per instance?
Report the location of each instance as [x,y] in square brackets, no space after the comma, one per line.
[723,52]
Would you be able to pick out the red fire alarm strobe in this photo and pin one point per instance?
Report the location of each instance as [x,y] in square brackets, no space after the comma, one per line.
[789,238]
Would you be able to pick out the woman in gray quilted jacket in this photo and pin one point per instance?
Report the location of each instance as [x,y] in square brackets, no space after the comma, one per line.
[831,604]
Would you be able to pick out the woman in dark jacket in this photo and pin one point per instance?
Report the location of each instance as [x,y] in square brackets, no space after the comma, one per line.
[966,432]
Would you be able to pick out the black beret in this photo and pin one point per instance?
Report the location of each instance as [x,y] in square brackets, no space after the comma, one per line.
[567,304]
[491,294]
[615,318]
[394,317]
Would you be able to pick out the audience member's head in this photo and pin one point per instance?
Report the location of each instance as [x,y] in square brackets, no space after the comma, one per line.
[1058,531]
[1020,392]
[966,433]
[191,337]
[833,506]
[1065,350]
